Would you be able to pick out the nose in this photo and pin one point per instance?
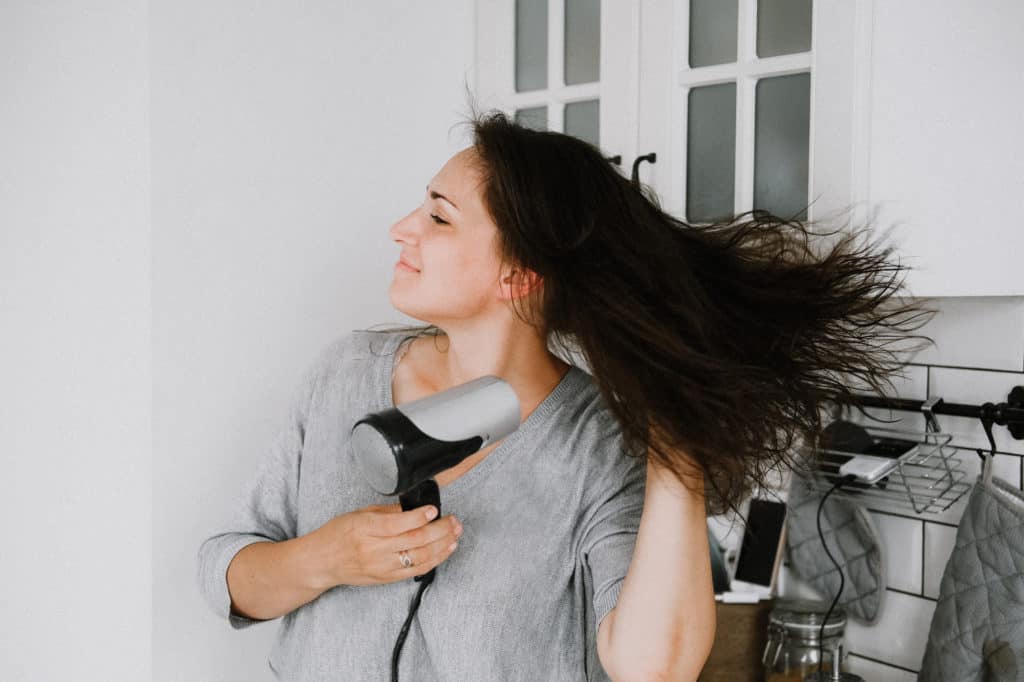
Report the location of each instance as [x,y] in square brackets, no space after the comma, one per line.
[406,230]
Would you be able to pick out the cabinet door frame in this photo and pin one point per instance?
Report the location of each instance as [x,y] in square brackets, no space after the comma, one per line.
[616,89]
[841,100]
[666,83]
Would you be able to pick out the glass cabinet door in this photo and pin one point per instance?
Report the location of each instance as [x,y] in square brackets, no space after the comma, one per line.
[725,92]
[563,65]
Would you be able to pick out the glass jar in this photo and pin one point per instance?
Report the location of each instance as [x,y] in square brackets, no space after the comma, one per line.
[792,649]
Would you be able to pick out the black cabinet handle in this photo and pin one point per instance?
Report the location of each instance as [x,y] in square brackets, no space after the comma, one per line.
[652,157]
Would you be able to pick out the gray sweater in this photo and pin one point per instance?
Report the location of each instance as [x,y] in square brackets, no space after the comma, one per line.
[550,519]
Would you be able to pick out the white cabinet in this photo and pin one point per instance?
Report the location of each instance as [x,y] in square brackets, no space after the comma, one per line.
[569,62]
[913,117]
[918,119]
[945,139]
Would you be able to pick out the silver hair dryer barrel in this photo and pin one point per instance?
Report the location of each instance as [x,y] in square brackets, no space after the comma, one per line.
[398,448]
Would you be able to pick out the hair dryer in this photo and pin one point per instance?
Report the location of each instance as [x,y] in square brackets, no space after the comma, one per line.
[400,449]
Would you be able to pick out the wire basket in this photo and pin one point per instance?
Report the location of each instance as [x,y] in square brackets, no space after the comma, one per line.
[927,480]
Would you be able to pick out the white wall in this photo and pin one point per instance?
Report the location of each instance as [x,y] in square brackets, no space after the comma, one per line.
[286,140]
[151,336]
[75,370]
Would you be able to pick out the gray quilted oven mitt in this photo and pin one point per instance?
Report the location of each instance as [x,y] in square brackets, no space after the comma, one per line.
[977,631]
[853,541]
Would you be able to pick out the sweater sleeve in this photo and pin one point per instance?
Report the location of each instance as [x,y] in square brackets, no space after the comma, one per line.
[610,537]
[266,511]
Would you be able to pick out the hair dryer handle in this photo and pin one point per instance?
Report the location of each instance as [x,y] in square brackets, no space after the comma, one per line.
[427,492]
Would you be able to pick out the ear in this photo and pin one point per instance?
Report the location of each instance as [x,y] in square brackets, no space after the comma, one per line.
[517,283]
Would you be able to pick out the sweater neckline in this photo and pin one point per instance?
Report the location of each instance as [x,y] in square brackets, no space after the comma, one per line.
[570,384]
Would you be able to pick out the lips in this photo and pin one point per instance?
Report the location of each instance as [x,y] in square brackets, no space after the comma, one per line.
[403,261]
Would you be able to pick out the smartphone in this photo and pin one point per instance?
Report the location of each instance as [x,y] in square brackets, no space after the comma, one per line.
[895,448]
[878,460]
[760,552]
[867,468]
[870,472]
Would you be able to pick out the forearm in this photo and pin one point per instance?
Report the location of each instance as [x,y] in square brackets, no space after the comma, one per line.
[664,620]
[269,579]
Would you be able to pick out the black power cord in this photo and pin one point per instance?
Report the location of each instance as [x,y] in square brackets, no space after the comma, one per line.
[425,492]
[427,579]
[849,478]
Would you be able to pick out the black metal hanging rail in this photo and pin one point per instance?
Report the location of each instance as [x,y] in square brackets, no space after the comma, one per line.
[1009,414]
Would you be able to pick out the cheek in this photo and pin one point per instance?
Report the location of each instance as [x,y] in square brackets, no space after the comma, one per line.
[463,282]
[476,268]
[480,275]
[472,265]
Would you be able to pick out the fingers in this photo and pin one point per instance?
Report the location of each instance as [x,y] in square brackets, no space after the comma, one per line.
[389,520]
[447,527]
[426,557]
[390,530]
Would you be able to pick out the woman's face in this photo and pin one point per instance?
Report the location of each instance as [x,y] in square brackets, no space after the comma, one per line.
[452,244]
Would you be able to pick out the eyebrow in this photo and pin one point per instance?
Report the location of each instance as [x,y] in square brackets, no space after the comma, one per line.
[438,195]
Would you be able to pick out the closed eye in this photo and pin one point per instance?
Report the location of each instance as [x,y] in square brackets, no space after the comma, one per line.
[438,220]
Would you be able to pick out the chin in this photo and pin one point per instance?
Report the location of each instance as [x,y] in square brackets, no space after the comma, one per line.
[405,309]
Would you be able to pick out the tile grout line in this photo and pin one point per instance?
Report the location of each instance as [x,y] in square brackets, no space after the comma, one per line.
[881,662]
[911,594]
[924,539]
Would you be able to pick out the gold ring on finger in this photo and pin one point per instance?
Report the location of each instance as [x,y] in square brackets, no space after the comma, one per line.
[404,556]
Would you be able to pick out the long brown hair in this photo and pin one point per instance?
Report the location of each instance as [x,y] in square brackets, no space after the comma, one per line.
[718,345]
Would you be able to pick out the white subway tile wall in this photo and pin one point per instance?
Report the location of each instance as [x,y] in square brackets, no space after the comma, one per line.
[902,550]
[899,636]
[938,546]
[978,357]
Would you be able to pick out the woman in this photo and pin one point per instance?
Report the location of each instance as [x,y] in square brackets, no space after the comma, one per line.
[576,547]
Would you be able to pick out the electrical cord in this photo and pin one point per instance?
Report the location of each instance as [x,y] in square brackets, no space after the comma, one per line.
[849,478]
[428,579]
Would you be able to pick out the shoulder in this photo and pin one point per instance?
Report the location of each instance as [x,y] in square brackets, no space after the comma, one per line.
[352,353]
[338,353]
[335,352]
[611,478]
[585,416]
[595,443]
[355,344]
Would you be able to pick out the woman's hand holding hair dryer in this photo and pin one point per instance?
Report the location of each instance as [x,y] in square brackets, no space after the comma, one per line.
[362,547]
[269,579]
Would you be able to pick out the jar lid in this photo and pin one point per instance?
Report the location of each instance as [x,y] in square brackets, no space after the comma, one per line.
[806,616]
